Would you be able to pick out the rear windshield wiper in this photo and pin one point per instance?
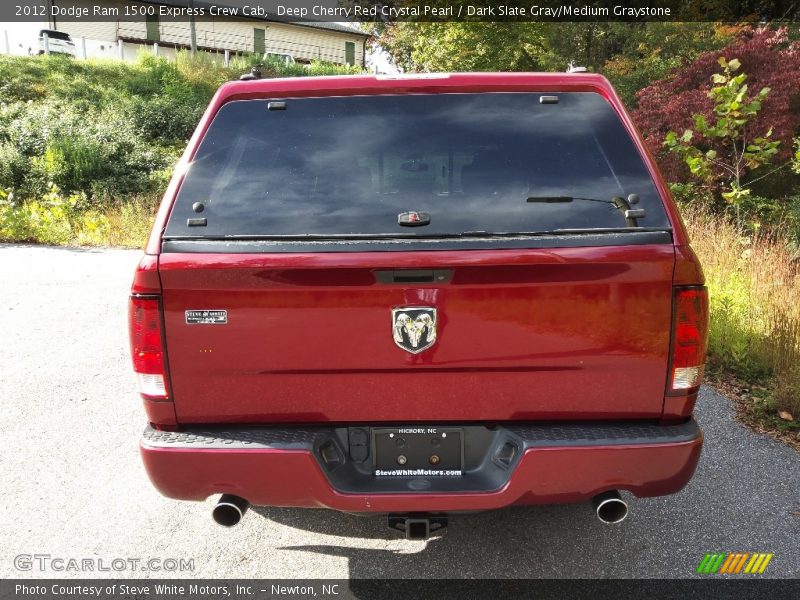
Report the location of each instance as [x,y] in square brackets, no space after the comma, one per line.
[623,205]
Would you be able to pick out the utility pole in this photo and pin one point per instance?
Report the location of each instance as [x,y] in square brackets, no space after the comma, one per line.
[192,29]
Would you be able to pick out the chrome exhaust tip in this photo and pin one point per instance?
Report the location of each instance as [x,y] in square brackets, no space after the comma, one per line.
[610,508]
[229,510]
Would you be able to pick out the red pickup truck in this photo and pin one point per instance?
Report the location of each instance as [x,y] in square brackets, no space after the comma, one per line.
[416,296]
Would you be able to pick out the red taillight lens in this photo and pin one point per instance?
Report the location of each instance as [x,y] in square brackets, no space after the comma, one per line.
[689,338]
[147,348]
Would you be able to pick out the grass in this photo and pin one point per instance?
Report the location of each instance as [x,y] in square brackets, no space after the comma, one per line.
[86,146]
[104,81]
[754,291]
[58,219]
[108,130]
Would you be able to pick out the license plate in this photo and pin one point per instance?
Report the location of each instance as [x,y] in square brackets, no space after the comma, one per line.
[418,452]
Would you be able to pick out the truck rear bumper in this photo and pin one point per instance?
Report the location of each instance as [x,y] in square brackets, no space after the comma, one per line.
[312,467]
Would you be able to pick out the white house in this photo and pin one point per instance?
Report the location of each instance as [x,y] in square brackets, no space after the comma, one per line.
[332,42]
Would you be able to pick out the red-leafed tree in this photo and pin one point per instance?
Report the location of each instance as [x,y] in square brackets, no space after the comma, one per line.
[770,60]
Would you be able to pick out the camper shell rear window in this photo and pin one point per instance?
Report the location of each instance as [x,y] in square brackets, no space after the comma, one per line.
[464,164]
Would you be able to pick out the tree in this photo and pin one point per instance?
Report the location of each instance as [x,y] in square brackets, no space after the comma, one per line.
[728,147]
[770,60]
[650,51]
[463,46]
[630,54]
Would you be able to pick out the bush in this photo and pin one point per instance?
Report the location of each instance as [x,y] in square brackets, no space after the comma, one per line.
[92,228]
[108,129]
[46,221]
[165,119]
[95,153]
[86,147]
[754,283]
[768,56]
[13,165]
[58,219]
[692,193]
[130,222]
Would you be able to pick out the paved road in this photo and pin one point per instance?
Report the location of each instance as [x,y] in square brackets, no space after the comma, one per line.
[74,486]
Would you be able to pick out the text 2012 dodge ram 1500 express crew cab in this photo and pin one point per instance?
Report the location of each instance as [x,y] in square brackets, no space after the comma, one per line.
[416,296]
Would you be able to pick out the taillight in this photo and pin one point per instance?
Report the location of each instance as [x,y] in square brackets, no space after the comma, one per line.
[147,347]
[689,338]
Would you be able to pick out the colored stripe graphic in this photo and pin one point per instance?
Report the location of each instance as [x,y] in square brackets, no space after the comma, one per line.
[751,564]
[710,563]
[734,563]
[717,563]
[741,562]
[764,564]
[728,561]
[757,566]
[701,568]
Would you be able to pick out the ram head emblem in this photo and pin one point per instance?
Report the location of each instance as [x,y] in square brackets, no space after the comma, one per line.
[414,328]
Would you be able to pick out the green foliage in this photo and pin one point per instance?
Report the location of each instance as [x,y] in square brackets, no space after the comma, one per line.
[736,323]
[108,129]
[80,141]
[753,282]
[319,68]
[796,156]
[759,214]
[45,221]
[80,131]
[636,54]
[130,222]
[100,153]
[691,194]
[13,163]
[630,54]
[465,46]
[92,228]
[734,109]
[59,219]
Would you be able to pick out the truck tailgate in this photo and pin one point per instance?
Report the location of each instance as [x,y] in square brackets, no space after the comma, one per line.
[548,333]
